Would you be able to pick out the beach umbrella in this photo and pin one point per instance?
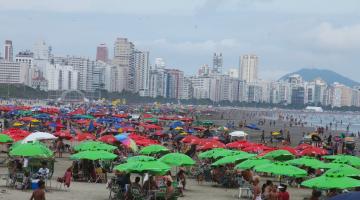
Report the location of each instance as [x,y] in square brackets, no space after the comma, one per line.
[252,162]
[207,123]
[63,134]
[238,144]
[190,139]
[290,149]
[303,146]
[238,134]
[110,139]
[280,155]
[140,158]
[307,161]
[283,169]
[222,154]
[346,170]
[84,136]
[93,155]
[210,153]
[83,117]
[16,124]
[35,149]
[331,181]
[39,136]
[153,149]
[152,167]
[94,146]
[211,145]
[313,151]
[5,138]
[177,159]
[348,159]
[256,148]
[252,126]
[346,196]
[233,159]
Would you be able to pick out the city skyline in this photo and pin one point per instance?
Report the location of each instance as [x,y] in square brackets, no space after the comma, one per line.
[324,38]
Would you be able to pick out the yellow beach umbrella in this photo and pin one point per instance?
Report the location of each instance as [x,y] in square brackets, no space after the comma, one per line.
[17,124]
[275,133]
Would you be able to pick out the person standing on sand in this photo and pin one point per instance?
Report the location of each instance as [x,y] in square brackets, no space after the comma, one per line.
[39,194]
[256,188]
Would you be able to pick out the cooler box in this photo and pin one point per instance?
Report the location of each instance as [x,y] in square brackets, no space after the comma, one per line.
[34,184]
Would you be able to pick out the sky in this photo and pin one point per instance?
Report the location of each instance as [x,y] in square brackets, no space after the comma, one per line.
[287,35]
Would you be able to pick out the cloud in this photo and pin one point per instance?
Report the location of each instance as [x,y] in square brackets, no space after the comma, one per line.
[339,38]
[144,7]
[190,47]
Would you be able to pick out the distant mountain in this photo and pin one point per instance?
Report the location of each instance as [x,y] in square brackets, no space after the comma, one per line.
[327,75]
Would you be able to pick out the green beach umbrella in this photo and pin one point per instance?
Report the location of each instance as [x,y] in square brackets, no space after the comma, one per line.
[280,155]
[215,152]
[5,138]
[177,159]
[207,123]
[93,155]
[331,181]
[151,120]
[94,146]
[252,162]
[153,149]
[222,154]
[347,159]
[140,158]
[35,150]
[346,170]
[152,167]
[279,168]
[307,161]
[233,159]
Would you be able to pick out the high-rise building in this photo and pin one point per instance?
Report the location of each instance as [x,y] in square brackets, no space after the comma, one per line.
[217,63]
[124,60]
[84,66]
[61,77]
[248,68]
[174,83]
[142,68]
[41,51]
[102,53]
[8,51]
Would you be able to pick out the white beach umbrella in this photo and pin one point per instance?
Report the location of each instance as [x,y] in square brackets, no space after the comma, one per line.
[238,134]
[38,136]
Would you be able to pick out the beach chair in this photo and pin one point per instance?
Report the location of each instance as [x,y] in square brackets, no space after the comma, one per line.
[244,186]
[100,176]
[137,194]
[18,180]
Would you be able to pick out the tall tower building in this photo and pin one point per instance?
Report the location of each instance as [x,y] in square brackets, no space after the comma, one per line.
[8,51]
[217,63]
[142,68]
[41,51]
[248,68]
[124,60]
[102,53]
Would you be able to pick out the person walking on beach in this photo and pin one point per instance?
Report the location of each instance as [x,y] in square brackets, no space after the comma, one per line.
[263,136]
[39,194]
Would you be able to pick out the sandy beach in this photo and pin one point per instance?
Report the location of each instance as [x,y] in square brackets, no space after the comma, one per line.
[206,191]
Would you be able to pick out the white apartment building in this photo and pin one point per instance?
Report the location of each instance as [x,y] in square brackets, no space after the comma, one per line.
[61,77]
[248,68]
[14,73]
[142,68]
[124,60]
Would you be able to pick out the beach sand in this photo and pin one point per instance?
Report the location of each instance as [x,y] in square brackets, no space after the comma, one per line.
[97,191]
